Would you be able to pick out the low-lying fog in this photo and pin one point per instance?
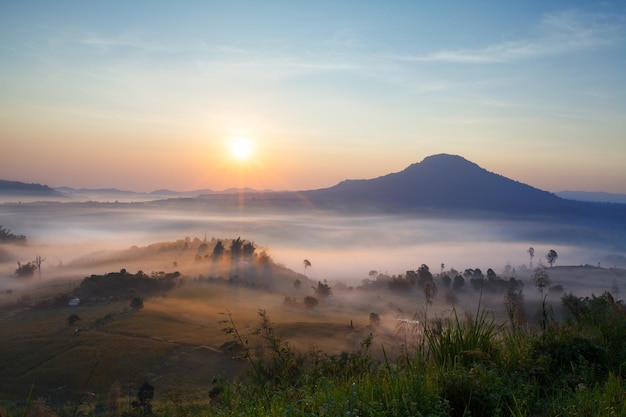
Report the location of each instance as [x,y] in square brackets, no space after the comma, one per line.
[339,247]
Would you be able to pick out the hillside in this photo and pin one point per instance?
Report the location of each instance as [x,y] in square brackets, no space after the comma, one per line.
[17,188]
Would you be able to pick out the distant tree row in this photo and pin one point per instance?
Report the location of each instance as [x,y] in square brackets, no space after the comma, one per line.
[121,284]
[7,237]
[422,279]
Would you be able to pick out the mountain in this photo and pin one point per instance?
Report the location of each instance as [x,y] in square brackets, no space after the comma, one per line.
[16,188]
[442,182]
[599,197]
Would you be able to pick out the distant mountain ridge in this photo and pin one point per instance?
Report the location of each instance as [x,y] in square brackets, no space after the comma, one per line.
[440,183]
[594,196]
[24,189]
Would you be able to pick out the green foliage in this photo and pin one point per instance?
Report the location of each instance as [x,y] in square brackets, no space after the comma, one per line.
[478,390]
[465,341]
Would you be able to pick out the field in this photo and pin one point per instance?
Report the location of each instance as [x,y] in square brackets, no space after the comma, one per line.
[206,334]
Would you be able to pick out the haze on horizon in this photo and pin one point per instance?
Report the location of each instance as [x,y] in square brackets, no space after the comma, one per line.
[145,95]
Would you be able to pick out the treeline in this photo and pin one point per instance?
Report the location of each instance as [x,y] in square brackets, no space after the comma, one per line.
[453,280]
[7,237]
[123,284]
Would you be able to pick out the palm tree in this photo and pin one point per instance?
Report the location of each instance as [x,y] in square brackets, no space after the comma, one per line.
[307,264]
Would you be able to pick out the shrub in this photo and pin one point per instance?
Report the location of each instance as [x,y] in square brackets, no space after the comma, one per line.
[136,303]
[73,318]
[310,302]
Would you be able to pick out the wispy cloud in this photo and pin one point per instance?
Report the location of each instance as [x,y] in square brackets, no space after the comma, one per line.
[103,43]
[557,33]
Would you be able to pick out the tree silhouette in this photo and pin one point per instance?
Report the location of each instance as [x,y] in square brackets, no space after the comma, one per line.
[430,290]
[458,283]
[551,256]
[424,275]
[25,270]
[236,247]
[248,250]
[307,264]
[322,290]
[218,250]
[541,279]
[38,262]
[531,253]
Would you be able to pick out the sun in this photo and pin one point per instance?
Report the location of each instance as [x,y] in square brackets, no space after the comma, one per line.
[240,148]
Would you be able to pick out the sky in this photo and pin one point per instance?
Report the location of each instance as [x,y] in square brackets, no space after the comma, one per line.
[147,95]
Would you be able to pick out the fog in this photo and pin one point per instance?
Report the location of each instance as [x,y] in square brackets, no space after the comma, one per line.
[339,247]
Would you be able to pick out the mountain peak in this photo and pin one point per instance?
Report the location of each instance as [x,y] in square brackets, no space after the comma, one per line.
[447,182]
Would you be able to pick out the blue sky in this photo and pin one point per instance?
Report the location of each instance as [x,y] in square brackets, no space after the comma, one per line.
[146,95]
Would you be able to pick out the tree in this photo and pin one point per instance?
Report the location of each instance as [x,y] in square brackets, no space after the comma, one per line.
[446,281]
[26,270]
[514,304]
[531,253]
[458,283]
[551,256]
[248,250]
[307,264]
[218,250]
[38,262]
[541,279]
[424,275]
[429,290]
[236,247]
[322,290]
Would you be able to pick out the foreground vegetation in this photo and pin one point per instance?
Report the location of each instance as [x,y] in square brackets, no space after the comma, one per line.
[458,365]
[151,344]
[463,366]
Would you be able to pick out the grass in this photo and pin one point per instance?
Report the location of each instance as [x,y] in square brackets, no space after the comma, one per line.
[460,364]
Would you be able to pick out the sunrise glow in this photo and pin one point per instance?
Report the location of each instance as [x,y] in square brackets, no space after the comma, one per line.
[240,148]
